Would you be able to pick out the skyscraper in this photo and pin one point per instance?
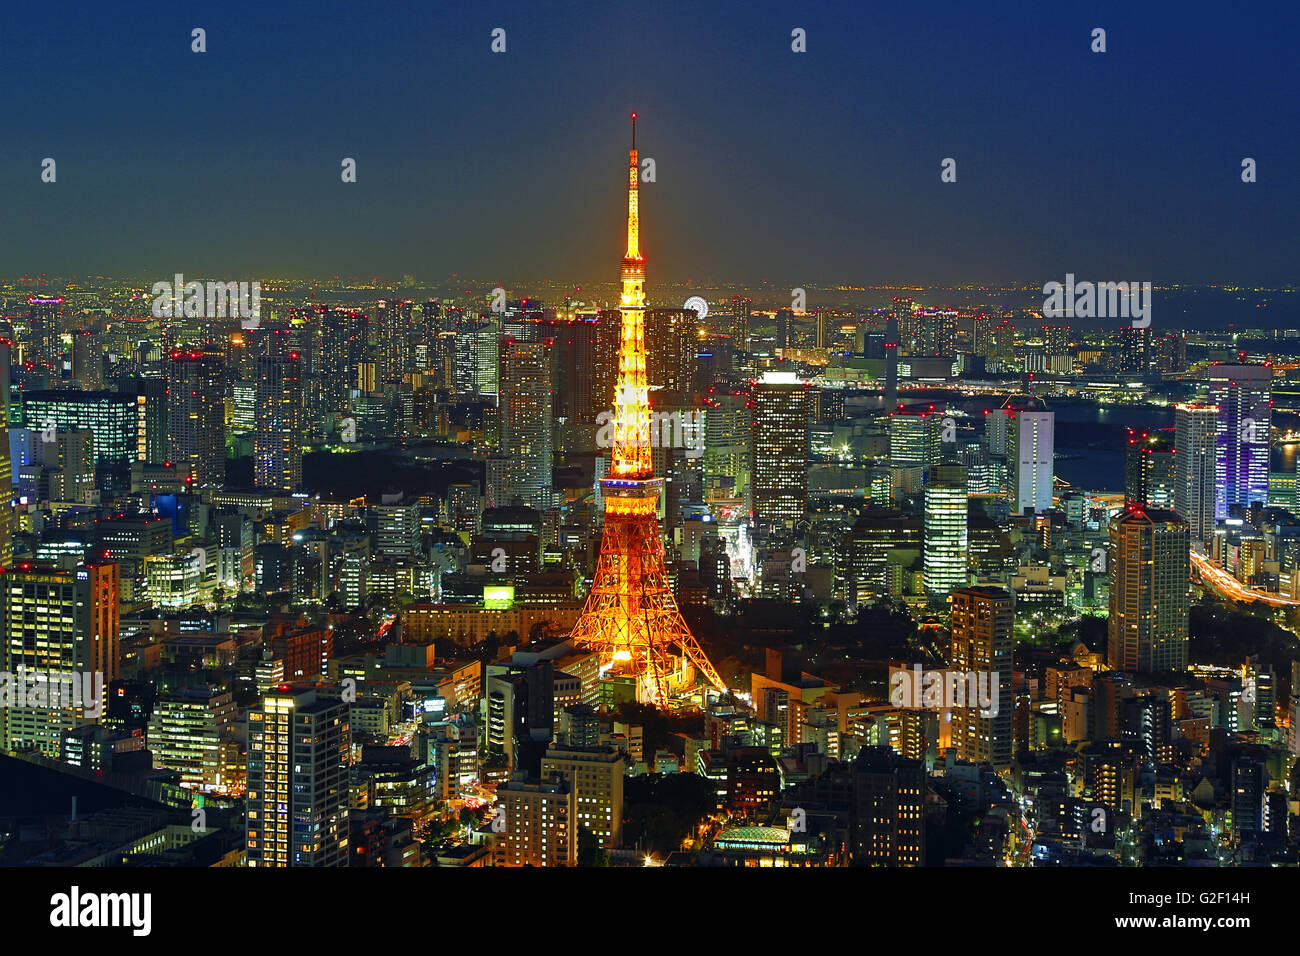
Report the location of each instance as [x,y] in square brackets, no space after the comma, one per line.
[57,622]
[982,643]
[945,530]
[112,418]
[671,339]
[297,799]
[631,618]
[277,430]
[888,819]
[1245,421]
[196,415]
[1030,450]
[1149,471]
[1196,429]
[87,359]
[526,405]
[914,436]
[782,405]
[1149,559]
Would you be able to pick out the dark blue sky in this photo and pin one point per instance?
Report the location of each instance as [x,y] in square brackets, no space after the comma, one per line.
[822,166]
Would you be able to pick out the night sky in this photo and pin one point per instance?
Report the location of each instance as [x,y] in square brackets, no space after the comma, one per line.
[814,167]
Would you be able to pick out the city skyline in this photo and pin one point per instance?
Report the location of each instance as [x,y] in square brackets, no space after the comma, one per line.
[423,563]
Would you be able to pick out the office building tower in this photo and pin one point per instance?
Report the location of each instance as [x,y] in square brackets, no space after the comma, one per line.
[526,432]
[1149,558]
[476,361]
[982,644]
[945,555]
[1196,429]
[196,416]
[672,338]
[277,430]
[574,408]
[1150,471]
[728,469]
[297,797]
[915,436]
[150,398]
[111,417]
[59,625]
[779,442]
[44,329]
[187,729]
[1030,450]
[87,359]
[1242,394]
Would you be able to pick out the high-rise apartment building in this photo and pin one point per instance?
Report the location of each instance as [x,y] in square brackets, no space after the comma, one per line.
[982,644]
[1196,429]
[526,408]
[277,430]
[196,415]
[87,359]
[297,798]
[1149,558]
[1030,450]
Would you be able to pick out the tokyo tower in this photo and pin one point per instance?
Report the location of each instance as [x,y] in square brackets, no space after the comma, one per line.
[630,616]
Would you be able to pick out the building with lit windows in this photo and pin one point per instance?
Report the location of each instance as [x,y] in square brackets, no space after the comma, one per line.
[595,774]
[1242,394]
[1196,430]
[1149,566]
[888,809]
[112,417]
[173,580]
[536,823]
[779,439]
[525,405]
[57,622]
[277,428]
[945,558]
[297,796]
[196,415]
[914,436]
[186,732]
[982,643]
[1030,450]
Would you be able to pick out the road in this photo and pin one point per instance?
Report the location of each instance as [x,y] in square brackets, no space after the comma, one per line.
[1228,586]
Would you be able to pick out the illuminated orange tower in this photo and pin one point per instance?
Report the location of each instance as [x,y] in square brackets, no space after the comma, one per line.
[630,616]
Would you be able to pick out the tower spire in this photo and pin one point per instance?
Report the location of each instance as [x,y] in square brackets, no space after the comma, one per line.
[631,452]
